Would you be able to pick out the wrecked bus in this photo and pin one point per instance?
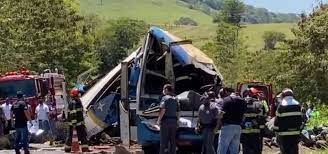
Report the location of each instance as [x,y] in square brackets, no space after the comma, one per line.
[128,96]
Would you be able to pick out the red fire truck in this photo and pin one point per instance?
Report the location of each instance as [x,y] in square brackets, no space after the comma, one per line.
[48,85]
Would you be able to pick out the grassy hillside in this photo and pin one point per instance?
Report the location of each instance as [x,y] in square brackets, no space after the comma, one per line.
[252,33]
[160,12]
[152,11]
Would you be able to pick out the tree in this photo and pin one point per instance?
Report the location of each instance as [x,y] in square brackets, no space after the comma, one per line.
[308,56]
[232,11]
[119,37]
[271,38]
[226,49]
[42,34]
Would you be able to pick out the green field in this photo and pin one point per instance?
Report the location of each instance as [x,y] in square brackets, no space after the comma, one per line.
[164,12]
[151,11]
[252,34]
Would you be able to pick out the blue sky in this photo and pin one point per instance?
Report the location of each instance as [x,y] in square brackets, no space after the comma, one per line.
[285,6]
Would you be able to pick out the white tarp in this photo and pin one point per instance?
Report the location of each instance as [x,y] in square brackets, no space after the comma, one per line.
[34,128]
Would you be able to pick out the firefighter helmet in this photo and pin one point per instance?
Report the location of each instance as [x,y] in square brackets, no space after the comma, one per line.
[287,92]
[74,92]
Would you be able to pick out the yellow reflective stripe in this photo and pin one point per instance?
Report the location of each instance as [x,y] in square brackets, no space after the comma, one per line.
[265,105]
[288,114]
[182,78]
[262,126]
[275,128]
[72,111]
[84,146]
[289,133]
[249,131]
[76,124]
[80,123]
[74,121]
[250,115]
[76,110]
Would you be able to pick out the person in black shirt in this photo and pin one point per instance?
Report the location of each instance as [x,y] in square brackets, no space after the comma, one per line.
[21,115]
[233,110]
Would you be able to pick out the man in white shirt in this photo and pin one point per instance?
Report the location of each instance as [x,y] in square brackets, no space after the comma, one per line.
[42,115]
[6,107]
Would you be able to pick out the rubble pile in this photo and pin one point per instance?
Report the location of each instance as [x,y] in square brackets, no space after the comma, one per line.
[316,137]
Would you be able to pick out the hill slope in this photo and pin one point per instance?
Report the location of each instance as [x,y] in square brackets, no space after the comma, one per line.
[152,11]
[166,11]
[252,33]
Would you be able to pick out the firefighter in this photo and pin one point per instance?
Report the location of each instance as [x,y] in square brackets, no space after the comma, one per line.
[251,134]
[262,99]
[75,119]
[263,115]
[288,122]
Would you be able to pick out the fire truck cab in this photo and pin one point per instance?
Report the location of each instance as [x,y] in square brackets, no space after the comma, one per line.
[47,85]
[263,88]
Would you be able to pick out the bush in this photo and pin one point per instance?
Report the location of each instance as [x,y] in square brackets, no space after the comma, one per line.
[271,38]
[186,21]
[320,118]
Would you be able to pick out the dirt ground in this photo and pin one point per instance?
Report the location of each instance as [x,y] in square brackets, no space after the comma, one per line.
[275,150]
[44,148]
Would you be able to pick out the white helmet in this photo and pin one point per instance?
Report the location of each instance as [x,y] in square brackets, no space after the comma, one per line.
[287,92]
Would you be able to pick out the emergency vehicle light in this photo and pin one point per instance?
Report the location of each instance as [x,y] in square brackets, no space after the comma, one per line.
[11,73]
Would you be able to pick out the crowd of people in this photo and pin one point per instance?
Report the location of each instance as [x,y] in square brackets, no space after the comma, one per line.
[240,118]
[16,115]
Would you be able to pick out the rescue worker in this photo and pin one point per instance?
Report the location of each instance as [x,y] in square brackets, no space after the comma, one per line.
[288,122]
[260,97]
[251,139]
[208,123]
[75,119]
[168,120]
